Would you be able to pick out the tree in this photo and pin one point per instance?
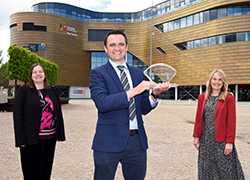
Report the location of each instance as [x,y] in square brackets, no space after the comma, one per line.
[3,77]
[20,61]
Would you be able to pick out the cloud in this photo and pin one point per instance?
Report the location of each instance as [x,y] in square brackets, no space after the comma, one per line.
[4,39]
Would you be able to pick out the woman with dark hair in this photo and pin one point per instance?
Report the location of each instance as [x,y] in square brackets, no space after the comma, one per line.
[214,131]
[38,124]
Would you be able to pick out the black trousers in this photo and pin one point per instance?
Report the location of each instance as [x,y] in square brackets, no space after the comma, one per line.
[3,107]
[37,160]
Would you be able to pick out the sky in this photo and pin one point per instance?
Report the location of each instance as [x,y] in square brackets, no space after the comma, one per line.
[8,7]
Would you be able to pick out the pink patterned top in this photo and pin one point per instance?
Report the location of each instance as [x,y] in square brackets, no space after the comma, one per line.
[47,127]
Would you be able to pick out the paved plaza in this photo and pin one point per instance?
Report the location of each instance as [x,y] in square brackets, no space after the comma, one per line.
[171,154]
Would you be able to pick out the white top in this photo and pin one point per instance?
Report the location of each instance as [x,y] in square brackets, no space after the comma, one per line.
[3,97]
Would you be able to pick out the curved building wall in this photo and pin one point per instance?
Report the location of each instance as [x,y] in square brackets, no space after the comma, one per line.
[64,49]
[73,53]
[195,65]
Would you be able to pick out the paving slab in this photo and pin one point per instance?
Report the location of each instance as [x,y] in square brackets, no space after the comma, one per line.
[171,154]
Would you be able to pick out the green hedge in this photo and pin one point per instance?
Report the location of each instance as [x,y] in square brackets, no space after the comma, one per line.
[20,61]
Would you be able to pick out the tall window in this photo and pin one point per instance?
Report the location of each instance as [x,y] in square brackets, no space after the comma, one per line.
[206,16]
[183,22]
[213,14]
[197,18]
[190,20]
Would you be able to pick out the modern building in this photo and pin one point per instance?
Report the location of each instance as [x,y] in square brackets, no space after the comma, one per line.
[193,36]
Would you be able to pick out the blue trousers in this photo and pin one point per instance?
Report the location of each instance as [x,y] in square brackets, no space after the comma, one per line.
[133,160]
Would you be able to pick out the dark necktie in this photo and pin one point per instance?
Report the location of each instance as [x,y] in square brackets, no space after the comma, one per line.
[125,84]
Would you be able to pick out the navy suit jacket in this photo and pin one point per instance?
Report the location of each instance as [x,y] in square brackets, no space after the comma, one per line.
[111,100]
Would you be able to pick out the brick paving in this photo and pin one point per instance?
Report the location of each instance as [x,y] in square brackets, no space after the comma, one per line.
[171,154]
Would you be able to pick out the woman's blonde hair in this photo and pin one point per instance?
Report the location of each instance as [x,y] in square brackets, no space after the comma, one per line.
[223,92]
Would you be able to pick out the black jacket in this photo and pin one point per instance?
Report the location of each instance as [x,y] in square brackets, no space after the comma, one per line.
[27,116]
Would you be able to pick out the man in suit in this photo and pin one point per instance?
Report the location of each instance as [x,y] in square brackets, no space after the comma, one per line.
[121,97]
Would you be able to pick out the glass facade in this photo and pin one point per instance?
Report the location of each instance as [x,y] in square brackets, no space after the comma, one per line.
[101,58]
[204,16]
[244,92]
[225,38]
[87,15]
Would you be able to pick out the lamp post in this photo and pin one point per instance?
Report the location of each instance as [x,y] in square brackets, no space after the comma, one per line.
[151,33]
[45,47]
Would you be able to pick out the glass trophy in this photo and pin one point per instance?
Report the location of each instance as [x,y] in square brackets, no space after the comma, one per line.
[160,73]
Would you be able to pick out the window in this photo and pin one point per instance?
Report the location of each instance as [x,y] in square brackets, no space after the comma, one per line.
[63,11]
[129,58]
[177,24]
[211,41]
[101,58]
[182,46]
[161,50]
[246,9]
[197,18]
[197,43]
[42,6]
[162,27]
[190,45]
[222,12]
[32,27]
[97,35]
[56,11]
[183,22]
[201,17]
[213,14]
[230,37]
[165,27]
[204,42]
[13,25]
[237,10]
[74,14]
[171,25]
[35,7]
[230,11]
[206,16]
[190,20]
[79,16]
[241,36]
[220,39]
[224,38]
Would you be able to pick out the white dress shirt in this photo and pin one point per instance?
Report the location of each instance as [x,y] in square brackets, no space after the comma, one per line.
[132,124]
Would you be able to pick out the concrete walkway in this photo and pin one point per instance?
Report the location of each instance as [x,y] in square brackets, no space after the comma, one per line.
[171,154]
